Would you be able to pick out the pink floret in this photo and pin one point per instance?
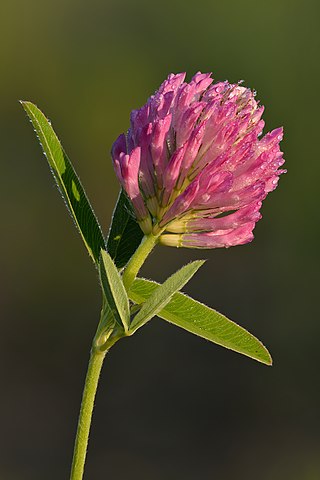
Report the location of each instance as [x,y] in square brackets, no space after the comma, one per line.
[194,163]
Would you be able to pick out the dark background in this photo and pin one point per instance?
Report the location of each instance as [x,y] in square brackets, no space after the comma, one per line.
[170,406]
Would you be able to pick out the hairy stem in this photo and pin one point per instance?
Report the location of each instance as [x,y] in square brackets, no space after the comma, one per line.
[89,393]
[137,260]
[98,353]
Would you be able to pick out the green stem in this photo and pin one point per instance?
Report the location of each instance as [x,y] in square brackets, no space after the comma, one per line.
[98,353]
[137,260]
[89,393]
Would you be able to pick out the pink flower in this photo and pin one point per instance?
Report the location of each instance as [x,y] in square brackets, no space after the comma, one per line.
[193,165]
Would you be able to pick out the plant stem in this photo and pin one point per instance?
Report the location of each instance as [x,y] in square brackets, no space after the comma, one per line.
[137,260]
[89,393]
[96,361]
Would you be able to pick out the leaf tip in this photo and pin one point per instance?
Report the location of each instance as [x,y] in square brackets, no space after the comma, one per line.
[26,105]
[197,264]
[202,261]
[266,359]
[24,102]
[269,362]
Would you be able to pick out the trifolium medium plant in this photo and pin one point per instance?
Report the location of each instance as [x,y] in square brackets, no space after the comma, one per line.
[194,169]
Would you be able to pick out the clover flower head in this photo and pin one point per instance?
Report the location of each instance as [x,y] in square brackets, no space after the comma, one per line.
[194,164]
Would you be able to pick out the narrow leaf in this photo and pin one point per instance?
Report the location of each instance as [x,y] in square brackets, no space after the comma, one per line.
[163,294]
[68,182]
[125,234]
[193,316]
[114,290]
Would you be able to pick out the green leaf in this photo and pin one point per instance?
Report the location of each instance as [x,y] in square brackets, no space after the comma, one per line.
[203,321]
[68,182]
[163,294]
[114,290]
[125,234]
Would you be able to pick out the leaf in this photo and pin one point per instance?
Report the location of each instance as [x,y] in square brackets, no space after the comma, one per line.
[125,234]
[114,290]
[193,316]
[163,294]
[68,182]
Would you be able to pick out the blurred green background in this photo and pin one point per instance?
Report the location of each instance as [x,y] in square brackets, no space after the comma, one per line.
[170,406]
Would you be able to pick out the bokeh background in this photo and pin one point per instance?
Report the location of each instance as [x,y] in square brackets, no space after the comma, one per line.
[170,406]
